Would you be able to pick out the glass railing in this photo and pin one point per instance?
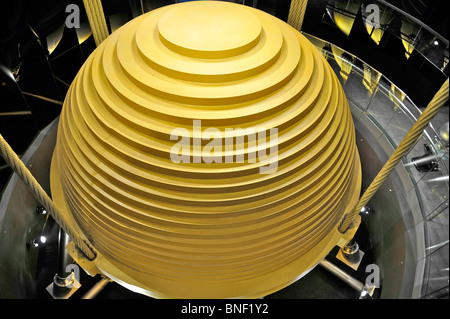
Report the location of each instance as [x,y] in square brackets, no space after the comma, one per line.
[415,36]
[393,114]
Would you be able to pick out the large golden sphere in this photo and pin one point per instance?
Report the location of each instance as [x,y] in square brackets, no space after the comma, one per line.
[160,163]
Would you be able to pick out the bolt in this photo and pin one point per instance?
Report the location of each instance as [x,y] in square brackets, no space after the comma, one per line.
[41,210]
[32,243]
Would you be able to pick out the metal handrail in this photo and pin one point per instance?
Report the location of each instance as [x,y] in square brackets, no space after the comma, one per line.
[415,20]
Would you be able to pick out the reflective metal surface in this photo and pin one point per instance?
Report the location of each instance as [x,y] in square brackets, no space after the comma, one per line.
[19,222]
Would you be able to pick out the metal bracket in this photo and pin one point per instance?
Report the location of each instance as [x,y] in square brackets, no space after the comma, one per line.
[88,266]
[350,233]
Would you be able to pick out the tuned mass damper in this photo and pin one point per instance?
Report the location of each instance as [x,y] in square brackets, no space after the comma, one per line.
[213,224]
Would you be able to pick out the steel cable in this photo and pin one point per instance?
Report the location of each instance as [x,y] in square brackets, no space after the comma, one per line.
[13,160]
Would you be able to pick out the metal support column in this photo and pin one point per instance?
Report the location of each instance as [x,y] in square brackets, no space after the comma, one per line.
[64,282]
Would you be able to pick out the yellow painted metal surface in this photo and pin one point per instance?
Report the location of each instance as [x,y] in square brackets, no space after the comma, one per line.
[210,229]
